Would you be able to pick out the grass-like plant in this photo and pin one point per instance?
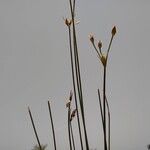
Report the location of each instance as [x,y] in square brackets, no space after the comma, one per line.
[77,93]
[103,59]
[76,76]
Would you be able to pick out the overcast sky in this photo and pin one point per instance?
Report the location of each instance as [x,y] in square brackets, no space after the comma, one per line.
[35,68]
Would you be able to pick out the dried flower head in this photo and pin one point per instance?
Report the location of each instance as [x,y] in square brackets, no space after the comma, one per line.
[91,38]
[68,22]
[113,31]
[73,114]
[99,44]
[103,60]
[70,96]
[68,104]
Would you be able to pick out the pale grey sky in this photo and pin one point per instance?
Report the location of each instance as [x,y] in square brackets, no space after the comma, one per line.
[35,67]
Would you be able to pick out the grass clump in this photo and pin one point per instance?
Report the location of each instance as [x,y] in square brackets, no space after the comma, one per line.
[77,93]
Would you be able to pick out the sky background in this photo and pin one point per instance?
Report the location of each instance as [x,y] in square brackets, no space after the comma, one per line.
[35,68]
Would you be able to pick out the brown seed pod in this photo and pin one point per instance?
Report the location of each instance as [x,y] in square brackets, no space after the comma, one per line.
[91,38]
[113,31]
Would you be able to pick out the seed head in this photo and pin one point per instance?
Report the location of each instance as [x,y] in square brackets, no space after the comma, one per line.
[99,44]
[73,113]
[113,31]
[103,60]
[70,96]
[91,38]
[68,22]
[68,104]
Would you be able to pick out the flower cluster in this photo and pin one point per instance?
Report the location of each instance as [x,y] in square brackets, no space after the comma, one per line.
[68,105]
[103,57]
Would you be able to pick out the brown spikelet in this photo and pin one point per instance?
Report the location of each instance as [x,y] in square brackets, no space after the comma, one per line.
[68,104]
[68,22]
[91,38]
[103,60]
[70,96]
[73,113]
[99,44]
[113,31]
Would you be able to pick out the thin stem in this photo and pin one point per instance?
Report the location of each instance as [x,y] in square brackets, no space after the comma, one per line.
[74,87]
[105,99]
[78,77]
[74,4]
[100,50]
[98,53]
[71,9]
[104,108]
[73,142]
[101,110]
[109,47]
[108,123]
[30,114]
[102,114]
[70,144]
[50,114]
